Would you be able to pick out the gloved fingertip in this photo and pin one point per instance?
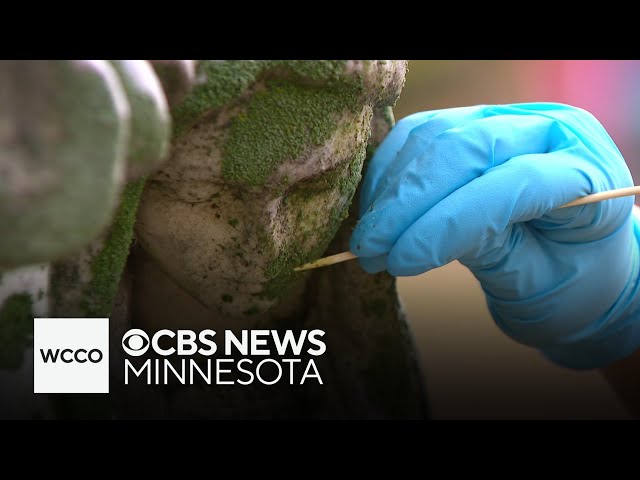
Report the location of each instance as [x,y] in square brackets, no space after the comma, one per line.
[398,266]
[368,239]
[357,242]
[373,264]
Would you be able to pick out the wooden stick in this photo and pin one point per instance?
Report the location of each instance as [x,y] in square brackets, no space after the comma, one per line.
[598,197]
[323,262]
[593,198]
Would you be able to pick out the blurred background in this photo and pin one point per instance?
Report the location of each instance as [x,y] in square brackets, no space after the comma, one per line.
[471,369]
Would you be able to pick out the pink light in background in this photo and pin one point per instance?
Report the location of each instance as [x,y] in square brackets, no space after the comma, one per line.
[609,89]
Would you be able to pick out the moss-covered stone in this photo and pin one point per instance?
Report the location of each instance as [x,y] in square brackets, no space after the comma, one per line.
[107,267]
[86,284]
[364,308]
[227,80]
[315,227]
[282,119]
[280,123]
[266,158]
[16,330]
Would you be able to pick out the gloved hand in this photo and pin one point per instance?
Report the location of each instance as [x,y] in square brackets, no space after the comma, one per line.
[481,184]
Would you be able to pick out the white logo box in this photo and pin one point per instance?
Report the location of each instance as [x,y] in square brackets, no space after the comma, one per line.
[71,355]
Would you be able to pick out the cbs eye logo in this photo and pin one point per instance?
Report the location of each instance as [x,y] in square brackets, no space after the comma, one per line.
[135,342]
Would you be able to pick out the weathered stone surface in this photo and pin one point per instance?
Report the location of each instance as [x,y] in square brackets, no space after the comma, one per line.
[265,160]
[266,157]
[370,369]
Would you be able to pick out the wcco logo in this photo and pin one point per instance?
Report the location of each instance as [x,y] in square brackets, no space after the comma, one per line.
[81,355]
[71,355]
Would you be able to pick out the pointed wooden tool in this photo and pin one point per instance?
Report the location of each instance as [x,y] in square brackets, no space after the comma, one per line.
[593,198]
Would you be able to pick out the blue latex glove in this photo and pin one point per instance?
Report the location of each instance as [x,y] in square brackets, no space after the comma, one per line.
[480,184]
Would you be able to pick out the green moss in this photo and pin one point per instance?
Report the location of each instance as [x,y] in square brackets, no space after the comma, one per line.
[226,298]
[233,222]
[228,80]
[314,228]
[298,105]
[330,71]
[280,124]
[16,330]
[297,111]
[108,265]
[225,80]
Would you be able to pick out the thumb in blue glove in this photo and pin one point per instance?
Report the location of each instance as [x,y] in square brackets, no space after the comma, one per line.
[481,185]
